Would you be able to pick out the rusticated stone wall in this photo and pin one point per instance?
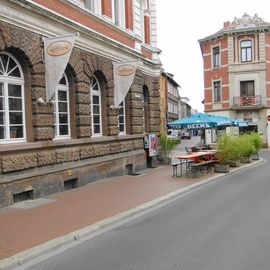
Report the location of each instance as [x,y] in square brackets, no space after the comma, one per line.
[57,155]
[18,162]
[136,104]
[114,154]
[44,172]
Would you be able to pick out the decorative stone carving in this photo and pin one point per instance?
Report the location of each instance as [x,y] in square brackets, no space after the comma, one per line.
[247,22]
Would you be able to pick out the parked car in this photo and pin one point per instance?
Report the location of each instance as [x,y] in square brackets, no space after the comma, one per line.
[185,135]
[171,133]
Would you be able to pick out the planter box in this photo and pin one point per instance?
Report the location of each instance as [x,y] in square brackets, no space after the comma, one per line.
[164,160]
[233,163]
[245,159]
[222,168]
[255,157]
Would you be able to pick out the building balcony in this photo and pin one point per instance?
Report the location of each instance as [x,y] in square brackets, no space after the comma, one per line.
[247,102]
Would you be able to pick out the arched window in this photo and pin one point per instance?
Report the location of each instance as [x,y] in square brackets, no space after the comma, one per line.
[96,112]
[12,108]
[61,109]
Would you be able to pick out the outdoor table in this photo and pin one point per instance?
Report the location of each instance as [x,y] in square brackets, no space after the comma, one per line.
[187,159]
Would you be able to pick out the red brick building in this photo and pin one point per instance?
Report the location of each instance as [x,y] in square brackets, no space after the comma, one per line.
[237,72]
[79,136]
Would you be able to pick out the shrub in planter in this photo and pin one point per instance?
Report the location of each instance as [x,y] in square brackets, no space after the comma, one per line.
[233,163]
[223,149]
[257,142]
[222,168]
[233,149]
[246,148]
[166,147]
[233,156]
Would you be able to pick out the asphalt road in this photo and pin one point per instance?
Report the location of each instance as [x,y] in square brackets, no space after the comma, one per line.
[222,225]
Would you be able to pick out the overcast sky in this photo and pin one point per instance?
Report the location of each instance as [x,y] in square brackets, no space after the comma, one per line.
[180,24]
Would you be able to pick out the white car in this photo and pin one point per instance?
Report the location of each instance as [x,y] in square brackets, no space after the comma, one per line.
[186,135]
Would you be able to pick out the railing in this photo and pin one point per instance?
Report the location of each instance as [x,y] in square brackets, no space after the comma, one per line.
[247,101]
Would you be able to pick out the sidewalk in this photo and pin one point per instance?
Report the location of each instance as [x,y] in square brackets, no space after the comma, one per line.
[83,210]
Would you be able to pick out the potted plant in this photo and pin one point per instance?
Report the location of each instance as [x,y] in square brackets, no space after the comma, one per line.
[257,142]
[233,155]
[166,146]
[222,154]
[246,148]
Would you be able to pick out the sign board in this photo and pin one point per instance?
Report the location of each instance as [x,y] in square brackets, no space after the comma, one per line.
[57,51]
[153,145]
[124,74]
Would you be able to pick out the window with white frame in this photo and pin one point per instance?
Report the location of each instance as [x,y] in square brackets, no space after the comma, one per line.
[95,93]
[90,4]
[61,109]
[121,118]
[217,91]
[246,51]
[170,107]
[94,6]
[144,6]
[216,56]
[12,110]
[77,2]
[119,12]
[170,88]
[175,109]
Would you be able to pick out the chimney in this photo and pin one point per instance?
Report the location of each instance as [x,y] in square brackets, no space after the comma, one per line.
[226,25]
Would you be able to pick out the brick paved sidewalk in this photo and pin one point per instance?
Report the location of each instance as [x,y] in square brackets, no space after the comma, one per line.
[29,224]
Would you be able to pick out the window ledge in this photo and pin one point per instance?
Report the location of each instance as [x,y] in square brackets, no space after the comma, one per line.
[29,146]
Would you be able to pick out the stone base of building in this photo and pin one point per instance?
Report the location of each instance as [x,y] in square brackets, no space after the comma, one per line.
[39,182]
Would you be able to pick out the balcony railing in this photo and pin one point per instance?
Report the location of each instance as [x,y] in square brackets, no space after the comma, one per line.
[247,101]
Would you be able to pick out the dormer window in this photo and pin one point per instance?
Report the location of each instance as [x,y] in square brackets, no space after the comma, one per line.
[246,51]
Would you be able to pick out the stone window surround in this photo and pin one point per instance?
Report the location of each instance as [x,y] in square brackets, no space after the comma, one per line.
[17,81]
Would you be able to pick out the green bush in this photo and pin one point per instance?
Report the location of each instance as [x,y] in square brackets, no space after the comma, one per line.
[256,140]
[171,143]
[234,153]
[232,148]
[246,146]
[223,148]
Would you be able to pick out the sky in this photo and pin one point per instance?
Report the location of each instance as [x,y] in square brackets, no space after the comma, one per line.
[180,24]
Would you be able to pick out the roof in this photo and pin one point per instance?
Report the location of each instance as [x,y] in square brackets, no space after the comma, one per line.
[170,77]
[244,24]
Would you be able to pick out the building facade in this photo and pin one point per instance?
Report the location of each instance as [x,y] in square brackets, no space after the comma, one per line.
[79,136]
[185,108]
[169,100]
[237,72]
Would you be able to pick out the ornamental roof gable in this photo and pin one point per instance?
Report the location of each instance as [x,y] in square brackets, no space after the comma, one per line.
[247,22]
[239,25]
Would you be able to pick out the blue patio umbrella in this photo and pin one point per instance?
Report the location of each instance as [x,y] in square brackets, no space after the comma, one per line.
[201,121]
[235,122]
[240,123]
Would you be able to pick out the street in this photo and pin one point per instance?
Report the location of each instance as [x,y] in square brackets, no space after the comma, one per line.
[221,225]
